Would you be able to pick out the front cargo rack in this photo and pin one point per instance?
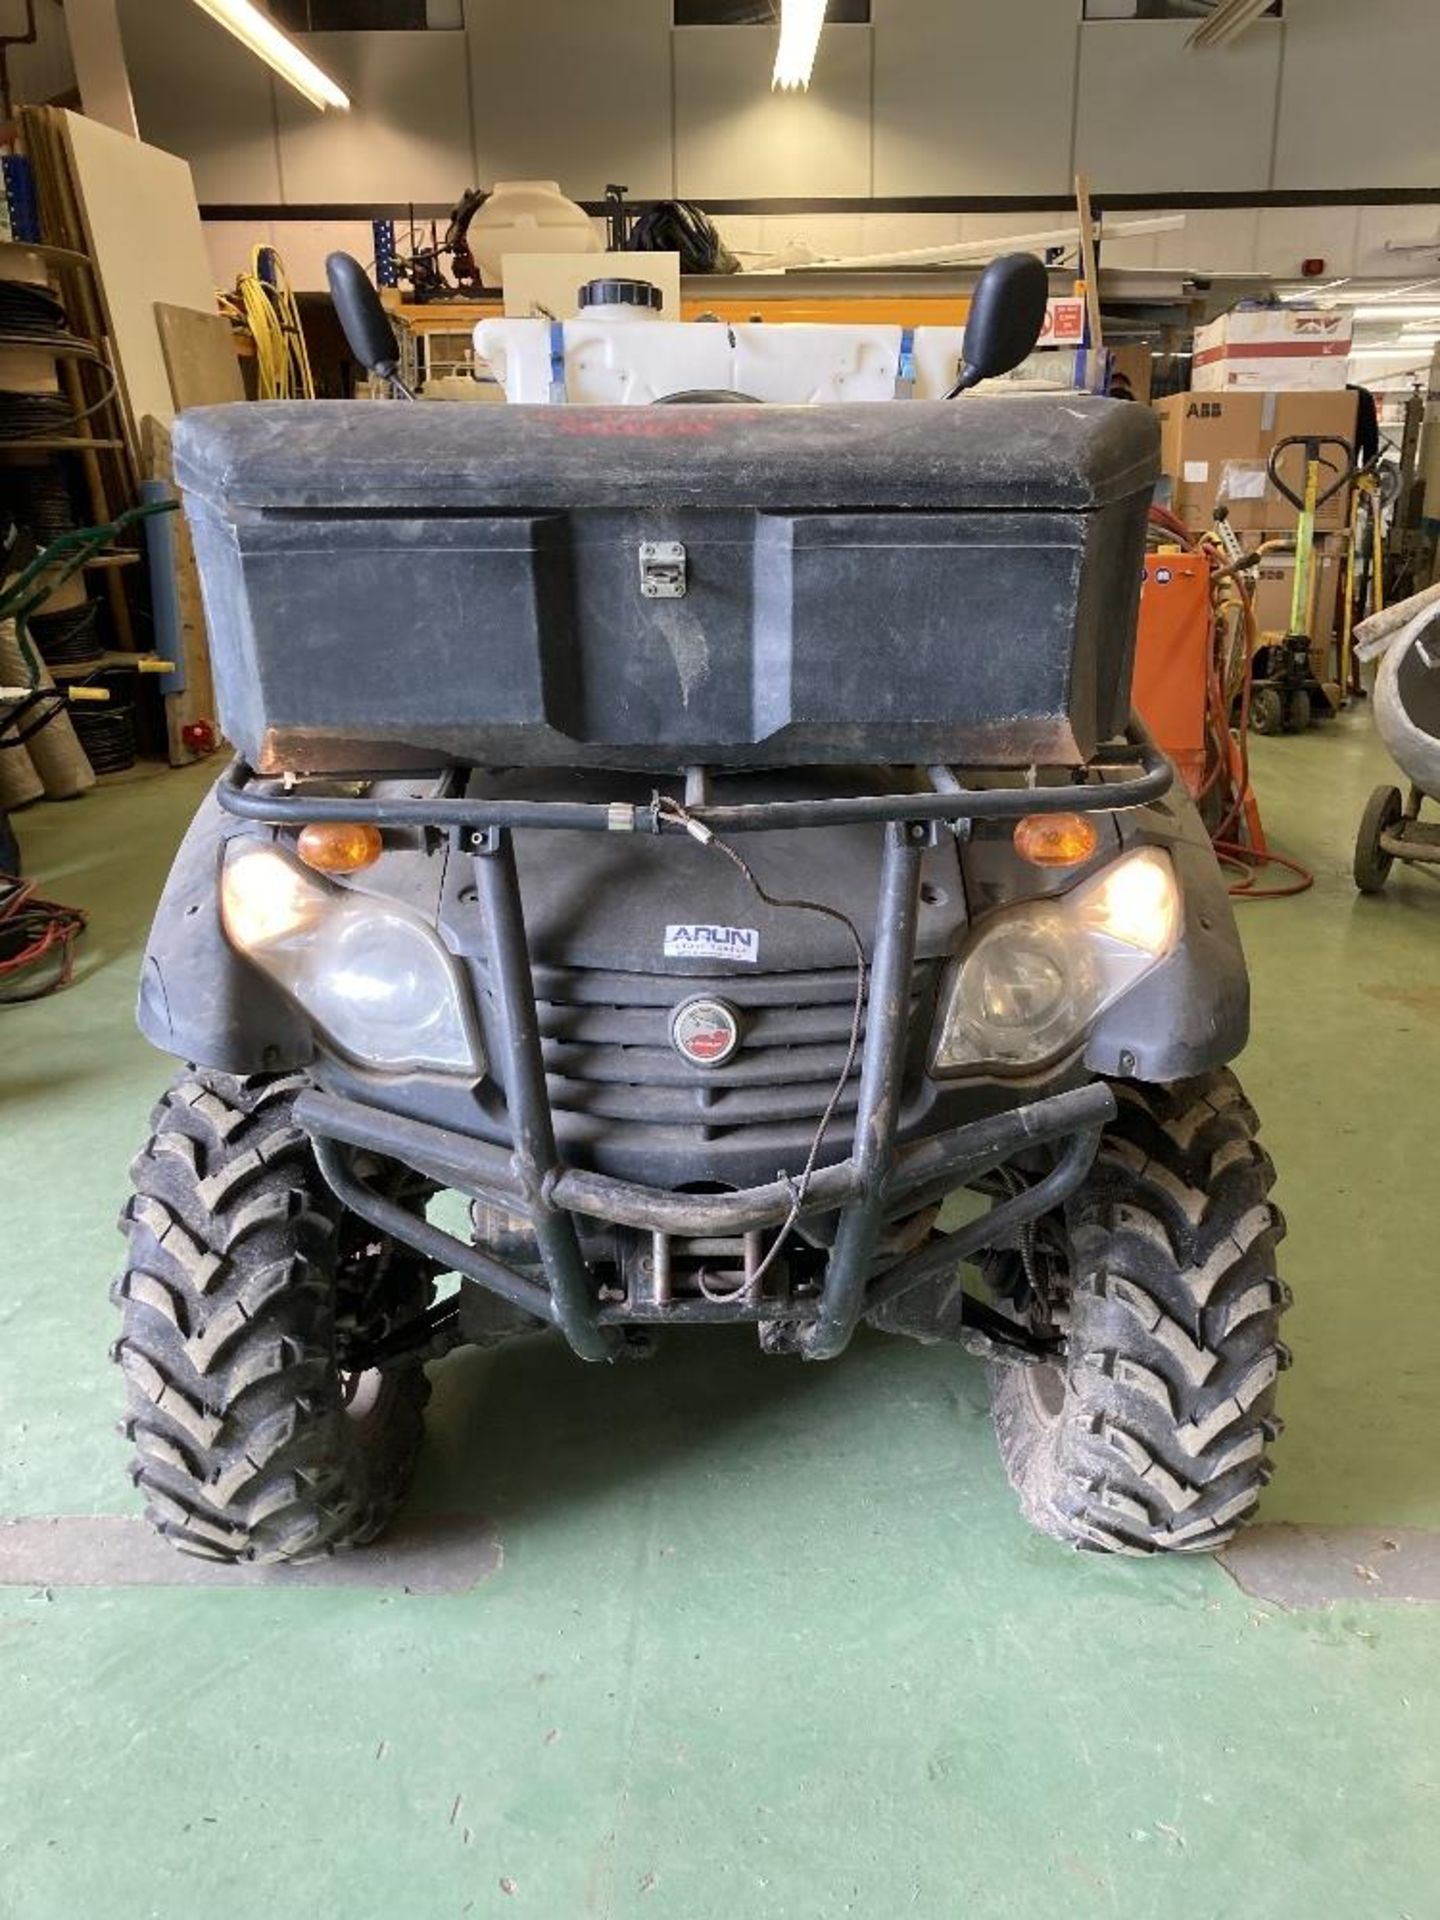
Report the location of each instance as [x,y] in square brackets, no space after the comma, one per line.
[951,801]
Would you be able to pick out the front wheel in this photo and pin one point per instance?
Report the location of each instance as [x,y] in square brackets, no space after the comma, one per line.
[1383,813]
[1151,1433]
[1267,710]
[244,1293]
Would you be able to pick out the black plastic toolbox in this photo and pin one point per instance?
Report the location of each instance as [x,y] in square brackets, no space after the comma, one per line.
[391,586]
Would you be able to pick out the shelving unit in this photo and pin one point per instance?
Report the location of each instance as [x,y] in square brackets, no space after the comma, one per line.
[42,354]
[94,456]
[57,444]
[103,443]
[112,662]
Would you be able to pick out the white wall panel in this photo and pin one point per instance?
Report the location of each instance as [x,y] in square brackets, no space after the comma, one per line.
[759,240]
[1398,240]
[973,97]
[1154,118]
[407,134]
[1358,99]
[304,246]
[573,90]
[200,94]
[1213,240]
[735,139]
[1287,236]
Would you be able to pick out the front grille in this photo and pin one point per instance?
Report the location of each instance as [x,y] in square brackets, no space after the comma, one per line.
[608,1054]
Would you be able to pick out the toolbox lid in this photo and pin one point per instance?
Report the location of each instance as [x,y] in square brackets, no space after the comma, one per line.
[1009,452]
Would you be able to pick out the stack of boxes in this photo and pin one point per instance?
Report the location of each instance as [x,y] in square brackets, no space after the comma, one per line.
[1258,378]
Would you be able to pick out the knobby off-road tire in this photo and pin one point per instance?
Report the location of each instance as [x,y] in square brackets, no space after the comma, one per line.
[1152,1434]
[243,1275]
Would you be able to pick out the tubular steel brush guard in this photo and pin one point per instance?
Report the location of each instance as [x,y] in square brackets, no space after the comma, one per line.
[532,1180]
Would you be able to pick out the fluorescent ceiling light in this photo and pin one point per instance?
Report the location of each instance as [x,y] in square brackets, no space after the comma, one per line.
[1312,291]
[1430,311]
[800,24]
[256,31]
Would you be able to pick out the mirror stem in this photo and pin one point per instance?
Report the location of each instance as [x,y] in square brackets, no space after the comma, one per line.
[969,377]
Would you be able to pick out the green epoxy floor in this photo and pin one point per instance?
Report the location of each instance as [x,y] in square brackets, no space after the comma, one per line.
[766,1640]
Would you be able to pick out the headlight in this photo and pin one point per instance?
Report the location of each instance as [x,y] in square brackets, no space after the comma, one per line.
[1035,978]
[375,979]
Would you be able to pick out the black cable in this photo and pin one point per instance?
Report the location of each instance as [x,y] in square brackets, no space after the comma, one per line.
[23,719]
[69,343]
[47,416]
[26,308]
[31,316]
[38,499]
[107,735]
[672,810]
[33,416]
[69,637]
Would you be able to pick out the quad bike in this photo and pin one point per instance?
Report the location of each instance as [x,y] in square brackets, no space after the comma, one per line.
[708,838]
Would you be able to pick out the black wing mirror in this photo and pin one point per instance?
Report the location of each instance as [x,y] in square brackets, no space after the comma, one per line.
[366,324]
[1007,311]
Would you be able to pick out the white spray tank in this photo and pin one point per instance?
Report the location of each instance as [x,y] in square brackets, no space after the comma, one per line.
[528,216]
[623,351]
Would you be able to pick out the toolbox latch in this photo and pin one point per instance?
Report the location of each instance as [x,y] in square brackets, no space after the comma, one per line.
[662,569]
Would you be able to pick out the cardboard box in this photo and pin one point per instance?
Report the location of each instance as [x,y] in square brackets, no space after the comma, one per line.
[1132,372]
[1274,350]
[1215,449]
[1275,586]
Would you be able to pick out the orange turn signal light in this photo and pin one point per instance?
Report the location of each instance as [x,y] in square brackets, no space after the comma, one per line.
[339,846]
[1055,839]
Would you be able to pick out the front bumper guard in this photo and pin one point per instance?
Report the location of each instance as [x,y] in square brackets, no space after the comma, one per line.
[925,1170]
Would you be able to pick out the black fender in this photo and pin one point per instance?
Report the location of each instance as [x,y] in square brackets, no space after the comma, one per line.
[198,998]
[1192,1014]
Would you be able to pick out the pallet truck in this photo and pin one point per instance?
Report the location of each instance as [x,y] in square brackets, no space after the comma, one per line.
[1375,490]
[1286,693]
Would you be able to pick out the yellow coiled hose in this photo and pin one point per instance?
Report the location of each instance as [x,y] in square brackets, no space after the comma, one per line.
[264,300]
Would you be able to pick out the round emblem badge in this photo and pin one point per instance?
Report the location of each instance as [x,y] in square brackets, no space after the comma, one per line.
[704,1032]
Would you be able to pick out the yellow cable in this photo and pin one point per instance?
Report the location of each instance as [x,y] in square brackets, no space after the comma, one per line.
[266,303]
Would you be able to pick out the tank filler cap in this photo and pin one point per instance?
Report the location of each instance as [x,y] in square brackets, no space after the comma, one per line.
[621,293]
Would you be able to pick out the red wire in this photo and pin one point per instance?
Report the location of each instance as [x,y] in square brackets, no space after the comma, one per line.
[1230,853]
[50,926]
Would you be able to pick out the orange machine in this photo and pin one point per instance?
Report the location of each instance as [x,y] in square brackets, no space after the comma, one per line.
[1172,658]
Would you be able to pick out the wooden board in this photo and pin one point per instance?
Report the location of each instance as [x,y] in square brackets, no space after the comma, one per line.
[1090,273]
[199,353]
[548,284]
[143,235]
[196,701]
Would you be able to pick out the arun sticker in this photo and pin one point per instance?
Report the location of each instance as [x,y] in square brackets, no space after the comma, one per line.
[712,943]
